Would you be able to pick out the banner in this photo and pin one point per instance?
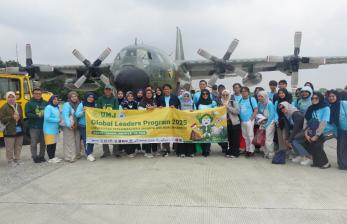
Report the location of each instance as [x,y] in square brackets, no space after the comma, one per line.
[105,126]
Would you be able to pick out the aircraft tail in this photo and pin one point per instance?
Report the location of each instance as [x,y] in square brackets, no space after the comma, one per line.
[179,55]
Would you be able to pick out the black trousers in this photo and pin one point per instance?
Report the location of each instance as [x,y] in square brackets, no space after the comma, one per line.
[51,150]
[149,148]
[318,155]
[206,149]
[342,149]
[185,149]
[234,132]
[131,148]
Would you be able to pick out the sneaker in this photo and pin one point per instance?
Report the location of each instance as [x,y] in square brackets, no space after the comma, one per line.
[90,158]
[182,155]
[226,155]
[326,166]
[19,162]
[117,155]
[166,154]
[36,160]
[157,154]
[131,155]
[192,155]
[12,164]
[148,155]
[54,160]
[297,159]
[232,156]
[306,162]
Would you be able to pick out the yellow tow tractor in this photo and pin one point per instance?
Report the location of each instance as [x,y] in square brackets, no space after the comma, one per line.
[22,85]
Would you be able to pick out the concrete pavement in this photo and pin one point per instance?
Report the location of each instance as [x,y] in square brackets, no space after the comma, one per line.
[172,190]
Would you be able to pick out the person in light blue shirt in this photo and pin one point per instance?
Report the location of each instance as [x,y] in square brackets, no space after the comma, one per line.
[89,101]
[71,133]
[305,99]
[248,111]
[316,118]
[197,94]
[273,90]
[237,92]
[51,122]
[267,109]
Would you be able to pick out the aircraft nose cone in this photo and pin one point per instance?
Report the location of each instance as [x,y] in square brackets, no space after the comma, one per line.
[131,78]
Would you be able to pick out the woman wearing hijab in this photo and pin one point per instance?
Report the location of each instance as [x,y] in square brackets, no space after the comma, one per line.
[205,101]
[71,133]
[11,116]
[316,118]
[89,101]
[296,138]
[51,128]
[267,109]
[148,103]
[234,124]
[342,137]
[282,133]
[186,149]
[120,96]
[158,94]
[130,104]
[305,99]
[139,95]
[338,123]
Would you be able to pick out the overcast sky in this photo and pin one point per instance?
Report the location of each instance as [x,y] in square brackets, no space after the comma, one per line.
[264,27]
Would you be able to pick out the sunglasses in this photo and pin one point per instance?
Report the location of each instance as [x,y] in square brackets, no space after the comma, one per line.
[225,95]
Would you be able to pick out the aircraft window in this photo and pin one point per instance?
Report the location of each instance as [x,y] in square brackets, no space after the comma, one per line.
[26,90]
[143,55]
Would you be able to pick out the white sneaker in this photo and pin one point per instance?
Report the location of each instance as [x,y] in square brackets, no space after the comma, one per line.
[90,158]
[306,162]
[157,154]
[297,159]
[54,160]
[12,164]
[131,155]
[182,155]
[148,155]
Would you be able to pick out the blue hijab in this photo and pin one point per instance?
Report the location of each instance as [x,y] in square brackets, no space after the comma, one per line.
[50,102]
[86,103]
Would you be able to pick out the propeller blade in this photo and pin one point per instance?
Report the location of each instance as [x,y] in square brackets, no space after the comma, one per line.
[207,55]
[213,80]
[295,80]
[29,60]
[231,49]
[80,57]
[80,81]
[297,43]
[105,79]
[102,57]
[317,60]
[274,59]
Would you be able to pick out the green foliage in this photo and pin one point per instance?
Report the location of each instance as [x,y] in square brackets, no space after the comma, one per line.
[10,63]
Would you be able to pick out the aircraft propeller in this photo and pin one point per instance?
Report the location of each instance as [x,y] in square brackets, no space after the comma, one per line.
[92,70]
[221,67]
[292,63]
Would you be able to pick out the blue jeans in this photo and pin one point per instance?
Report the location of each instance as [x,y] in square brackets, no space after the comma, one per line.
[299,149]
[88,148]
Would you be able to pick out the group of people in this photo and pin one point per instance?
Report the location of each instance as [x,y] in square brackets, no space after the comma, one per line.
[298,125]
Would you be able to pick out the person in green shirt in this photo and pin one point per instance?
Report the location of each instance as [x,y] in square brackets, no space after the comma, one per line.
[108,101]
[34,112]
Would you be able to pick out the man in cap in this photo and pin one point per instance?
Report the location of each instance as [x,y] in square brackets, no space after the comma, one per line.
[108,101]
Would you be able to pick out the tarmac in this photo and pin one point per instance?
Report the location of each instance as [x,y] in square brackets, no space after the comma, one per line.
[171,190]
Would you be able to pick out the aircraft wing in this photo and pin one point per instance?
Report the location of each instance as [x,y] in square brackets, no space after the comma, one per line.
[204,68]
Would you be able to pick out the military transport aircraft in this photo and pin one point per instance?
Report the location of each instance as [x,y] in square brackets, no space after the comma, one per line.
[139,65]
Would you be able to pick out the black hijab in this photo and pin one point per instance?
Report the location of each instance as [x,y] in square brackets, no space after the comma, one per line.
[314,107]
[282,121]
[334,108]
[85,101]
[203,101]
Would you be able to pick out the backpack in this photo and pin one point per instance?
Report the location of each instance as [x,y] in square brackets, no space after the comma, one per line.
[279,157]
